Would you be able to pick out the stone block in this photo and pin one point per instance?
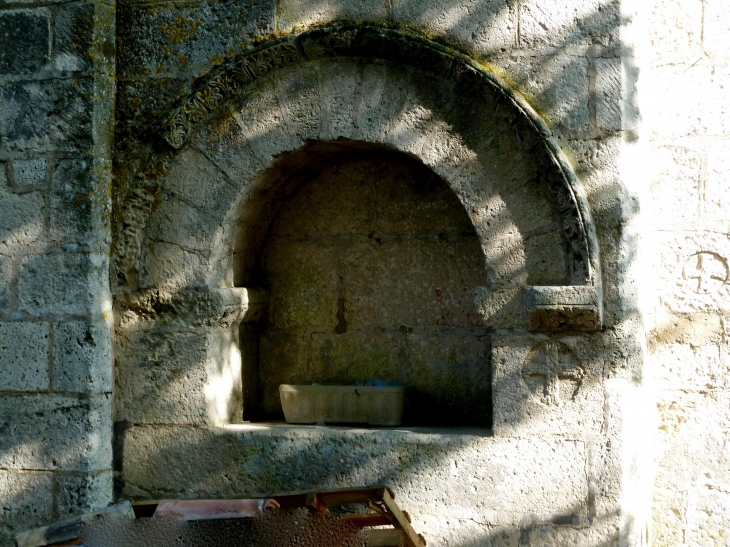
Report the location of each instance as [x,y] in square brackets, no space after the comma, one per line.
[485,27]
[547,385]
[303,278]
[30,172]
[25,35]
[557,86]
[501,307]
[27,502]
[24,356]
[284,358]
[607,532]
[6,276]
[544,25]
[171,267]
[596,166]
[21,219]
[358,355]
[715,28]
[46,115]
[717,195]
[495,471]
[700,89]
[338,200]
[383,95]
[413,282]
[608,94]
[65,284]
[410,198]
[675,29]
[708,517]
[340,85]
[177,222]
[689,367]
[669,526]
[299,97]
[450,371]
[82,357]
[293,14]
[187,40]
[48,432]
[72,203]
[693,434]
[676,188]
[694,268]
[79,494]
[72,37]
[165,376]
[185,179]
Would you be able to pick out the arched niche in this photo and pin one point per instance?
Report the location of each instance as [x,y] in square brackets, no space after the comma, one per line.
[216,176]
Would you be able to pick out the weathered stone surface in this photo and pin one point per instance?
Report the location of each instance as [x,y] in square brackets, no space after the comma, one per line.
[6,273]
[340,86]
[608,94]
[543,24]
[83,493]
[694,269]
[72,36]
[675,29]
[546,385]
[303,279]
[487,27]
[46,115]
[64,284]
[82,354]
[25,35]
[414,463]
[187,40]
[298,13]
[30,172]
[55,432]
[185,225]
[676,188]
[700,89]
[556,86]
[717,197]
[708,517]
[715,26]
[416,282]
[21,218]
[177,377]
[72,221]
[27,502]
[171,267]
[669,510]
[24,356]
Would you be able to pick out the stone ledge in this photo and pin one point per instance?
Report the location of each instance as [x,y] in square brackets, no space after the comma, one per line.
[564,308]
[206,307]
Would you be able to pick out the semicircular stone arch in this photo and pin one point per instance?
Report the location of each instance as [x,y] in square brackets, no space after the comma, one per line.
[213,175]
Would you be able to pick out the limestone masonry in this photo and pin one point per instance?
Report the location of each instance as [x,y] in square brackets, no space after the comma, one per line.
[519,208]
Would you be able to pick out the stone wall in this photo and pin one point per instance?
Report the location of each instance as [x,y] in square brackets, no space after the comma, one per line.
[56,124]
[636,100]
[687,199]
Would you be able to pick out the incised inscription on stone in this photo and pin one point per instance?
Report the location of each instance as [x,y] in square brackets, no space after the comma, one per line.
[552,373]
[706,271]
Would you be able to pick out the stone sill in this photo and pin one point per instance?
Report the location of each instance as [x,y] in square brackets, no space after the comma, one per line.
[276,429]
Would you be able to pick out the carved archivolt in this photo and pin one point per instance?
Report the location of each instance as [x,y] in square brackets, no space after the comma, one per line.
[400,48]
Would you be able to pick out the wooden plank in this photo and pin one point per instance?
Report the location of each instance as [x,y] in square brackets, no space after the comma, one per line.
[332,497]
[385,538]
[412,539]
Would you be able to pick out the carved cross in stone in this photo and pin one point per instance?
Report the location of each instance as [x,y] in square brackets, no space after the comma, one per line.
[553,370]
[710,271]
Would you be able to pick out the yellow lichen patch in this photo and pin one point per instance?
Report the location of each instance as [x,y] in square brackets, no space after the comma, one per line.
[183,29]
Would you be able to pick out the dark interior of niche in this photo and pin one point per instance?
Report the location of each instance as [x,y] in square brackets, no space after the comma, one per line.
[371,263]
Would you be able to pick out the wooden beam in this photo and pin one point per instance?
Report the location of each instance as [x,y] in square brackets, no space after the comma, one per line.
[412,539]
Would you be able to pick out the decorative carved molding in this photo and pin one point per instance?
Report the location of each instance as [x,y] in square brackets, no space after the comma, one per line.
[558,309]
[224,84]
